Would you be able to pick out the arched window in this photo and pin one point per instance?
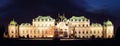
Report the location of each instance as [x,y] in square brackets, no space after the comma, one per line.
[98,31]
[12,32]
[94,32]
[79,32]
[83,25]
[83,32]
[87,25]
[86,32]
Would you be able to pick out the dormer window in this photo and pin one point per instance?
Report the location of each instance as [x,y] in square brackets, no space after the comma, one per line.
[42,19]
[46,20]
[83,19]
[75,19]
[79,19]
[49,19]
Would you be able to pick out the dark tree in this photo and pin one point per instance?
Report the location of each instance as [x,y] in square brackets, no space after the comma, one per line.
[2,29]
[117,36]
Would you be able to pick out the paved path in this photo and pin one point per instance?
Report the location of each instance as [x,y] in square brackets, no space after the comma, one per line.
[52,39]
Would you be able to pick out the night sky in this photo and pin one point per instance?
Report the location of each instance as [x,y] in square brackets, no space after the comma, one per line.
[23,11]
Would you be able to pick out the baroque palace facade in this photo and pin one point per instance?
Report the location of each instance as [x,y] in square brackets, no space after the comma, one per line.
[74,27]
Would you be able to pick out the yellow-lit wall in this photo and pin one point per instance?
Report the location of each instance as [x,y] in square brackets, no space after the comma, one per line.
[109,32]
[96,31]
[39,29]
[13,31]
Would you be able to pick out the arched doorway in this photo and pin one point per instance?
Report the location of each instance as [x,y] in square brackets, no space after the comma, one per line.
[28,36]
[93,37]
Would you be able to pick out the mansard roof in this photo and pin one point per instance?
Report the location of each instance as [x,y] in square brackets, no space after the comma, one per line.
[96,24]
[44,17]
[80,17]
[25,24]
[108,23]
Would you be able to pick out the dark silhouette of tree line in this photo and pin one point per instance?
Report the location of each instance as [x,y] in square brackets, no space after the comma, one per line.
[2,30]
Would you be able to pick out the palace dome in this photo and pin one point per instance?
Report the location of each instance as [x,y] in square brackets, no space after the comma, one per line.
[13,22]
